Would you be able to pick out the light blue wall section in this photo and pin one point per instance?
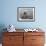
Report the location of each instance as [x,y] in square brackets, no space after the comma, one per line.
[8,13]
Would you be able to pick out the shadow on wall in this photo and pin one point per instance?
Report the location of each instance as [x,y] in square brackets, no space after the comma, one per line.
[2,26]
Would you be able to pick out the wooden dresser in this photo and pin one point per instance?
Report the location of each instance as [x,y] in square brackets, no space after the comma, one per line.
[23,39]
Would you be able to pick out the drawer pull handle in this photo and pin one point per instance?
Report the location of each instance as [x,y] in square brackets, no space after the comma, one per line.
[33,39]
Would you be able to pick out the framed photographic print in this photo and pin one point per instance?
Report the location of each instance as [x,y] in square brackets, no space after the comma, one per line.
[26,14]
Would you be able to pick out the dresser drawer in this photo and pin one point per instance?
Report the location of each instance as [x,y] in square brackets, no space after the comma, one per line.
[12,39]
[37,44]
[13,33]
[34,33]
[8,45]
[13,44]
[37,39]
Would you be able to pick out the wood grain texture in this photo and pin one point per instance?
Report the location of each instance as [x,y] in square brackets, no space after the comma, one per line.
[23,39]
[34,39]
[13,39]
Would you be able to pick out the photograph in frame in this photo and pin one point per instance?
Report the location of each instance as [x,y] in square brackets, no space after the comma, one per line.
[26,14]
